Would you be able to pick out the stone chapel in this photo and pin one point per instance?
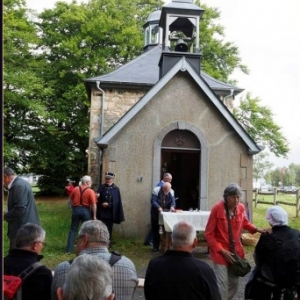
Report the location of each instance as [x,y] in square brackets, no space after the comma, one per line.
[160,113]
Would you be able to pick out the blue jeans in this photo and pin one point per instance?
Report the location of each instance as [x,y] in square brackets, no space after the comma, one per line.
[80,214]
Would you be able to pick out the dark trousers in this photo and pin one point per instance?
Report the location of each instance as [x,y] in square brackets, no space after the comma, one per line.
[155,233]
[109,224]
[148,239]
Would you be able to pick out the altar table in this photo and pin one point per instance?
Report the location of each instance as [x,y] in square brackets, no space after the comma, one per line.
[167,220]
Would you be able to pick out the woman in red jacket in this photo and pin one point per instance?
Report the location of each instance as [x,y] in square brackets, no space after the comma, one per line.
[216,234]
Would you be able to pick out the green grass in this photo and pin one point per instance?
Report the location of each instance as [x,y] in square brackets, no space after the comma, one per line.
[35,189]
[56,219]
[259,212]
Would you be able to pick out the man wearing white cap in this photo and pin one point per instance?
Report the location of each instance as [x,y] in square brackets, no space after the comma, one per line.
[277,258]
[109,206]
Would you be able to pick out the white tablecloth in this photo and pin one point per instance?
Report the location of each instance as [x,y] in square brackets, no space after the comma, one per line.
[197,218]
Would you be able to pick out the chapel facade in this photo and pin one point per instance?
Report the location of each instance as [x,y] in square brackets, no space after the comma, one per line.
[160,113]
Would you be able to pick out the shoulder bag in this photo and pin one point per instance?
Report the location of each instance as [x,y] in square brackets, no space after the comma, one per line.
[240,267]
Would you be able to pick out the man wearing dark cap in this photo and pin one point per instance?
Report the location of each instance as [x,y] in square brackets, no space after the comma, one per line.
[109,206]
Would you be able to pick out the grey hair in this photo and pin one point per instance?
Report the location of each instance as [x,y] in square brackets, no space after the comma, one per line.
[86,178]
[28,234]
[9,172]
[96,231]
[167,175]
[231,190]
[88,277]
[183,234]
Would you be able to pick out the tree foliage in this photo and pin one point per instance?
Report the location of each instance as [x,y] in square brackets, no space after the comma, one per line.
[72,42]
[285,176]
[261,165]
[258,121]
[46,59]
[23,88]
[219,58]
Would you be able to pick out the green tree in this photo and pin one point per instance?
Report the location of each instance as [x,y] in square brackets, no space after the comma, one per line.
[296,169]
[258,121]
[219,58]
[46,109]
[23,88]
[80,41]
[261,165]
[274,177]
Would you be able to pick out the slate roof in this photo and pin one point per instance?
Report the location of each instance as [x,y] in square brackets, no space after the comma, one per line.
[143,71]
[181,66]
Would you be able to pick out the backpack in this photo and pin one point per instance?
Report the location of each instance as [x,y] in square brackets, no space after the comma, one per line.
[12,285]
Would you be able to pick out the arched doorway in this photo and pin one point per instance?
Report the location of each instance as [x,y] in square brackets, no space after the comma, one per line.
[180,156]
[197,134]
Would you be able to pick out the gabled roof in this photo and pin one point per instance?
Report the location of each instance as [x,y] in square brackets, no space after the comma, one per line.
[181,66]
[144,71]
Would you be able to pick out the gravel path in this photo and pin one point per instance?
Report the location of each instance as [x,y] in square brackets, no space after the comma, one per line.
[201,253]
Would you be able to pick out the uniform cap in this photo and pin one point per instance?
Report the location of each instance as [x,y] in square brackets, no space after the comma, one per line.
[109,175]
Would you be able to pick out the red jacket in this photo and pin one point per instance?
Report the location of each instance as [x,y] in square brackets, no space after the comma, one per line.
[69,189]
[216,231]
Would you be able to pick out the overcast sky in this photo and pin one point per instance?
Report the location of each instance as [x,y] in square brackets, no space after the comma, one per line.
[267,34]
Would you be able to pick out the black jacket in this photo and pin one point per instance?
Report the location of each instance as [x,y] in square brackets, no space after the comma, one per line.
[110,194]
[177,275]
[277,256]
[38,285]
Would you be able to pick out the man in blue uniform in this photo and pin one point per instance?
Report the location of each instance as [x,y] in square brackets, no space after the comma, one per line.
[109,206]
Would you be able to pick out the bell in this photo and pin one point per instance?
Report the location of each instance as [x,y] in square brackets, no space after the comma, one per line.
[181,46]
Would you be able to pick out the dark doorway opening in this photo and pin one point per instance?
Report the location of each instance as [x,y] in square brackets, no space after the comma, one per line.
[184,165]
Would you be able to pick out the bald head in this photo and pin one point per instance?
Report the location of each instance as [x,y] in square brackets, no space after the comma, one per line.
[184,236]
[167,187]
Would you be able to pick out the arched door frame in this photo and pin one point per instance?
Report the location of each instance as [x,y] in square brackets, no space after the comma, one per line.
[203,176]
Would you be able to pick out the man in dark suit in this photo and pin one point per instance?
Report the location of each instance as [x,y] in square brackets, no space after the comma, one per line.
[21,207]
[109,206]
[177,274]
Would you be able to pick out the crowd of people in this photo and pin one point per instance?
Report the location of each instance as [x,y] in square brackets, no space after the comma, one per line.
[97,274]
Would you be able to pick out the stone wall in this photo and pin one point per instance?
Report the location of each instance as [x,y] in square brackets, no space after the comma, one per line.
[116,104]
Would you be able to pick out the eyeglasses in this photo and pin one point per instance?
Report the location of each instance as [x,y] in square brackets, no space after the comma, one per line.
[43,243]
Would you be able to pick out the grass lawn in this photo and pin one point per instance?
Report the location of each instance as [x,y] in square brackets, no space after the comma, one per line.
[56,218]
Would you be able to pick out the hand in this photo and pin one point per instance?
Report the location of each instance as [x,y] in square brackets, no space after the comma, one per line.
[266,230]
[172,209]
[160,210]
[104,204]
[228,256]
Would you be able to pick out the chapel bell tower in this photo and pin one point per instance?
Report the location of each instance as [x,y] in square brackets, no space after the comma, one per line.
[180,26]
